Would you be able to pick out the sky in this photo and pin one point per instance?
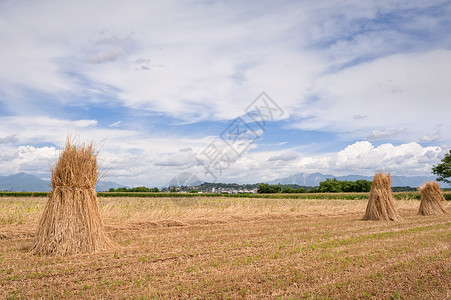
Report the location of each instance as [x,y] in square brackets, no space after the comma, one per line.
[230,91]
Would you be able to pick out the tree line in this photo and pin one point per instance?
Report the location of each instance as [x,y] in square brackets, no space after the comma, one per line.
[327,186]
[139,189]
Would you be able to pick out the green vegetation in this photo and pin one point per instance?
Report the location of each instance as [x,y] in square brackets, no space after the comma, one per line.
[264,188]
[339,186]
[23,194]
[288,189]
[208,186]
[139,189]
[403,189]
[443,170]
[327,186]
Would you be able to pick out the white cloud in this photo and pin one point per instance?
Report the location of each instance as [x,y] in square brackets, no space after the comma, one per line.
[430,138]
[202,62]
[336,68]
[27,159]
[115,124]
[403,97]
[156,168]
[109,49]
[44,129]
[127,156]
[287,156]
[182,158]
[210,61]
[10,139]
[385,134]
[363,158]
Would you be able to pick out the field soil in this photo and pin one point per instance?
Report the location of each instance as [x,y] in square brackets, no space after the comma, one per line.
[232,248]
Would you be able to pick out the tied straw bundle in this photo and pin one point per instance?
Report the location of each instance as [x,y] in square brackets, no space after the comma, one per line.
[71,222]
[431,200]
[381,205]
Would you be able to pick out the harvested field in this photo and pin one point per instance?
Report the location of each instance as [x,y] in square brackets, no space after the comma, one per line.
[234,248]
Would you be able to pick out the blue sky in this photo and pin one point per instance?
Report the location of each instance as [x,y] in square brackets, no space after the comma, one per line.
[361,86]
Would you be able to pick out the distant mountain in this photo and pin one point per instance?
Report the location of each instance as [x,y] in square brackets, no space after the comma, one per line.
[23,182]
[315,178]
[103,186]
[184,179]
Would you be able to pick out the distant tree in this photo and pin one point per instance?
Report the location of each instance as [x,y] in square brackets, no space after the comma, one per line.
[264,188]
[338,186]
[314,190]
[140,189]
[276,188]
[349,186]
[287,189]
[330,186]
[443,170]
[362,185]
[403,189]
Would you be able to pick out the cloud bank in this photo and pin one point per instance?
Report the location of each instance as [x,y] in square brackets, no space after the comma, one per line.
[363,85]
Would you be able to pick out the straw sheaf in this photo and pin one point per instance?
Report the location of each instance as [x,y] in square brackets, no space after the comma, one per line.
[431,200]
[71,220]
[381,205]
[76,167]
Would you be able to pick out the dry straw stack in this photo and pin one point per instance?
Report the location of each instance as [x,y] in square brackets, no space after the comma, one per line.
[381,205]
[71,221]
[431,199]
